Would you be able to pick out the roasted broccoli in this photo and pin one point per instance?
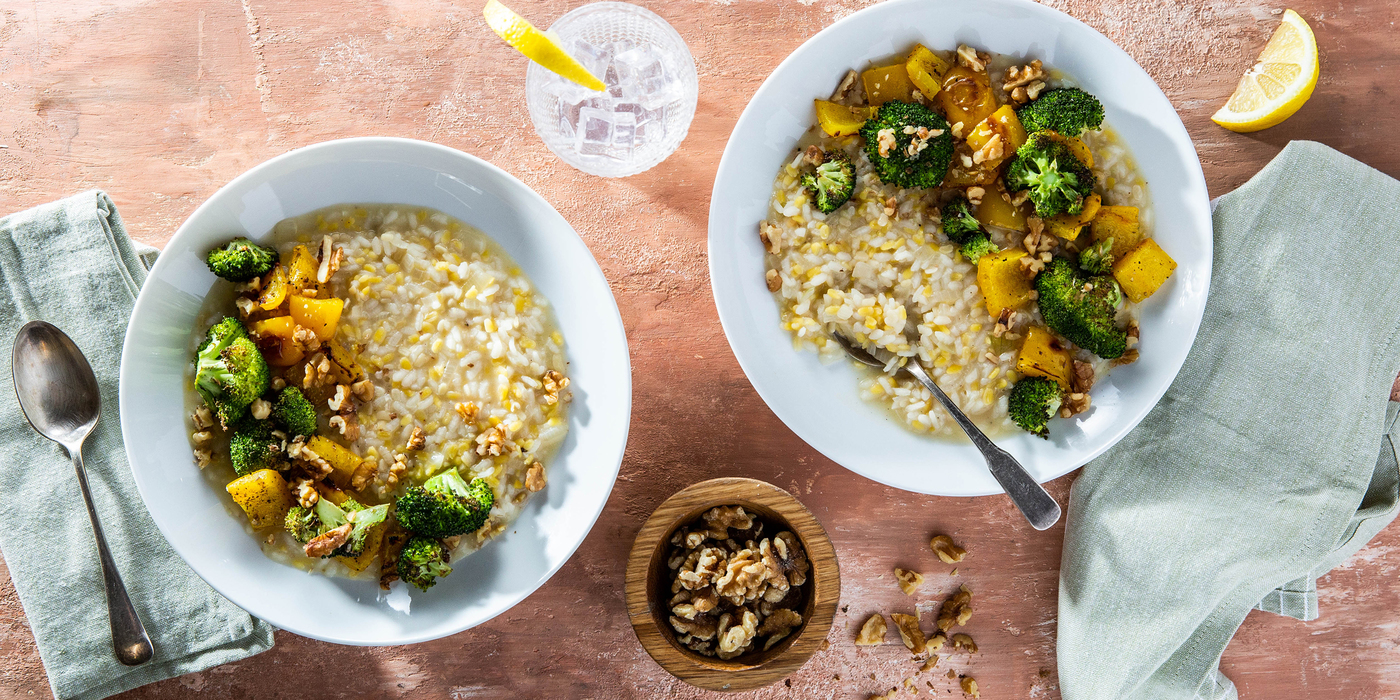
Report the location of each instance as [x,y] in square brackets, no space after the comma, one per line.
[1058,181]
[977,246]
[306,524]
[1068,111]
[240,260]
[229,371]
[252,446]
[909,144]
[445,505]
[1097,259]
[294,413]
[1033,402]
[1082,309]
[832,183]
[423,561]
[960,225]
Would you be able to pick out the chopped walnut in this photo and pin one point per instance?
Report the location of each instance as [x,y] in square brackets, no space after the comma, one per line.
[947,552]
[937,641]
[260,409]
[872,632]
[495,442]
[965,643]
[318,371]
[1074,404]
[1031,267]
[1005,322]
[909,632]
[969,686]
[201,437]
[773,281]
[554,385]
[348,426]
[769,235]
[736,640]
[1126,358]
[1083,377]
[305,339]
[814,155]
[957,129]
[992,150]
[331,258]
[363,474]
[306,493]
[416,440]
[1024,83]
[891,206]
[278,383]
[202,418]
[363,390]
[297,449]
[973,59]
[202,458]
[396,470]
[975,194]
[327,542]
[246,306]
[340,402]
[845,92]
[957,610]
[885,140]
[929,664]
[534,478]
[467,411]
[909,581]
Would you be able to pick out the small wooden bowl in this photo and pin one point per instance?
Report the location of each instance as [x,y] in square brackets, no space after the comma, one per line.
[648,588]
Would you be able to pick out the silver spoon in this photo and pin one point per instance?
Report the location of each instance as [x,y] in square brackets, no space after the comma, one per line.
[59,396]
[1031,498]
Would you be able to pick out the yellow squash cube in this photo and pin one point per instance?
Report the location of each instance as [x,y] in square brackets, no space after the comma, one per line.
[264,496]
[301,270]
[274,290]
[347,370]
[319,315]
[1143,270]
[1003,123]
[1120,224]
[1042,356]
[926,70]
[1066,226]
[967,97]
[840,120]
[373,538]
[994,210]
[1003,284]
[345,464]
[887,83]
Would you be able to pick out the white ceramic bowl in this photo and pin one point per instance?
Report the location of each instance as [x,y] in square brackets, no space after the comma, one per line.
[820,403]
[195,518]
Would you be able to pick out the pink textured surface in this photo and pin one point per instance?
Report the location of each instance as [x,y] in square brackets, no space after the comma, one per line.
[159,102]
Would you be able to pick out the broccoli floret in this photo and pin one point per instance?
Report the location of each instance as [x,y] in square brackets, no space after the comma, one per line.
[229,371]
[362,519]
[423,561]
[445,505]
[302,523]
[294,412]
[252,446]
[240,260]
[832,183]
[1097,259]
[1058,181]
[1068,111]
[893,161]
[977,246]
[960,225]
[1081,308]
[1033,402]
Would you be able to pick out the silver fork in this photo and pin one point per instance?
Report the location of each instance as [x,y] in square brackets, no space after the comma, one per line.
[1039,507]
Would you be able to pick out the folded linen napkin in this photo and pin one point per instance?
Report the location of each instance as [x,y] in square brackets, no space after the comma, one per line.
[1258,471]
[71,263]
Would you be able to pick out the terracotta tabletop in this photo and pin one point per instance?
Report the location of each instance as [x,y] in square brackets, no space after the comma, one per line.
[160,102]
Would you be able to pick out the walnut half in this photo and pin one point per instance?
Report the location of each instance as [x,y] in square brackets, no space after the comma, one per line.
[909,581]
[909,632]
[947,552]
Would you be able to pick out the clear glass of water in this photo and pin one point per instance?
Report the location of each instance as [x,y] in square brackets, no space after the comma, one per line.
[645,112]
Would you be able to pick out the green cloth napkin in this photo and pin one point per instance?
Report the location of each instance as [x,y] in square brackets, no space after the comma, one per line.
[70,263]
[1258,471]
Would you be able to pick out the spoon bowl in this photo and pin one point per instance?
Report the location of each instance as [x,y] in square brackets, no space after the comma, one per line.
[59,396]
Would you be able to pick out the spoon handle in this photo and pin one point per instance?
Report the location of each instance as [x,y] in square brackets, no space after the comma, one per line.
[1035,503]
[129,639]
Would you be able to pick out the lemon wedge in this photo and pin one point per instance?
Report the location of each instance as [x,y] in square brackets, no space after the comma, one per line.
[1279,83]
[537,46]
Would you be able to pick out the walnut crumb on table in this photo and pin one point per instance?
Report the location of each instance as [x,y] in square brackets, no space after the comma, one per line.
[872,632]
[909,581]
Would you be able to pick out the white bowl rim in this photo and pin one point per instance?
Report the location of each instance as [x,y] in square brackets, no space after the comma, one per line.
[614,319]
[1180,136]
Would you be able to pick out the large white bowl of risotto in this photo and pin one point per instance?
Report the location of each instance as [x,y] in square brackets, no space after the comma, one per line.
[993,190]
[375,391]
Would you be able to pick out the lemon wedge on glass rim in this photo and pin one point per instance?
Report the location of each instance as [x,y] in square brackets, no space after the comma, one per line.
[537,45]
[1280,81]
